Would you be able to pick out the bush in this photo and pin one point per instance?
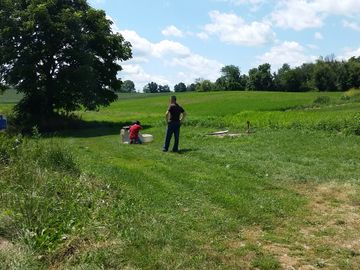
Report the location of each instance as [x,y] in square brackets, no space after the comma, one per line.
[353,127]
[322,100]
[351,94]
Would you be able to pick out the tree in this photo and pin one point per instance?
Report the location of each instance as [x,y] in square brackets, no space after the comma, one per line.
[324,76]
[191,87]
[151,87]
[353,68]
[180,87]
[231,73]
[128,86]
[163,88]
[205,86]
[261,78]
[62,55]
[295,80]
[280,78]
[230,79]
[220,84]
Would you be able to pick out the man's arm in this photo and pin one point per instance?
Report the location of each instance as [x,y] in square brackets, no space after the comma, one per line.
[182,116]
[167,116]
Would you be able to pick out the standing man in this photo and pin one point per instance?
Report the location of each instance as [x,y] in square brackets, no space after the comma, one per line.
[174,116]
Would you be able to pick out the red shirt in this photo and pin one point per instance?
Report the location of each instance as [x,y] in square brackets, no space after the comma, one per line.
[134,131]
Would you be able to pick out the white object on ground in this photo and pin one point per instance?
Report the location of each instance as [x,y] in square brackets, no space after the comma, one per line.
[146,138]
[124,134]
[219,132]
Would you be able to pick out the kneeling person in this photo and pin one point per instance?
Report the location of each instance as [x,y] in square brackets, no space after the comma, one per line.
[134,133]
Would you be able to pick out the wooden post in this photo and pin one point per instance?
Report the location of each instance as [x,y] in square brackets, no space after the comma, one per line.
[248,127]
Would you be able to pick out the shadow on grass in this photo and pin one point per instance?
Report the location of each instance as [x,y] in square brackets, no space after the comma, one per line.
[186,150]
[89,129]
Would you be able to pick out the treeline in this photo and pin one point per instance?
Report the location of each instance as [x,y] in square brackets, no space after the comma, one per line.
[326,74]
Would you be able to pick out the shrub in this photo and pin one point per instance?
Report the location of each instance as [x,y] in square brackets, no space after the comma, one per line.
[351,94]
[353,127]
[322,100]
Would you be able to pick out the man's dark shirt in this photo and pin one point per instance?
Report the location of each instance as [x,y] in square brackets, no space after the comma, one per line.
[175,111]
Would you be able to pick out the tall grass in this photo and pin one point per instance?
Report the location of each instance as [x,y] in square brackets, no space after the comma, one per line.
[45,199]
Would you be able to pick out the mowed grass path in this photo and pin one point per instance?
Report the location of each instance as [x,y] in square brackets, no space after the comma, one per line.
[272,199]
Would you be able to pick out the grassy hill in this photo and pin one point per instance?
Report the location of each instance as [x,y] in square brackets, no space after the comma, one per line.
[285,195]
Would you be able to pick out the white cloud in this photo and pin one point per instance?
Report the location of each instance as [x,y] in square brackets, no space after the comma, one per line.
[353,25]
[172,31]
[288,52]
[254,3]
[202,35]
[297,15]
[186,65]
[312,46]
[143,47]
[318,36]
[348,53]
[140,77]
[232,29]
[301,14]
[167,47]
[197,66]
[243,2]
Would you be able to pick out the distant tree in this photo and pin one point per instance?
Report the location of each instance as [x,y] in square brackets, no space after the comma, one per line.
[295,81]
[254,80]
[151,87]
[307,76]
[280,78]
[205,86]
[230,79]
[191,87]
[163,88]
[243,81]
[261,78]
[325,77]
[353,72]
[220,84]
[128,86]
[61,55]
[180,87]
[230,73]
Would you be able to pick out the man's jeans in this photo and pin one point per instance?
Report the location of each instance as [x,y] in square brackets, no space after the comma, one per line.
[172,128]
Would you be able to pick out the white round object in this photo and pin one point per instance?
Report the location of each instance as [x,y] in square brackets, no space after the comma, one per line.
[147,138]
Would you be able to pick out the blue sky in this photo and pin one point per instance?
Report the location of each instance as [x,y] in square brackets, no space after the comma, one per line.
[179,41]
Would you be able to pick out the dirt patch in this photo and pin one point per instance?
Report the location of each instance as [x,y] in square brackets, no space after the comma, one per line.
[335,217]
[327,238]
[4,244]
[282,253]
[76,246]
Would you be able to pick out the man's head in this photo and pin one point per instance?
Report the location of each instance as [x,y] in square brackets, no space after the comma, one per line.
[173,99]
[136,122]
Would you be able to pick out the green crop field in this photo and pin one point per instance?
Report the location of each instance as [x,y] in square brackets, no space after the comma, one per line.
[284,195]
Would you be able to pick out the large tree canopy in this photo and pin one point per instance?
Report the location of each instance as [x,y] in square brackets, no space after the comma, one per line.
[61,54]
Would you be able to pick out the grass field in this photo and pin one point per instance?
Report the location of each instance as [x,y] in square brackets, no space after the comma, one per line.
[284,196]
